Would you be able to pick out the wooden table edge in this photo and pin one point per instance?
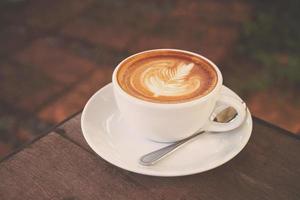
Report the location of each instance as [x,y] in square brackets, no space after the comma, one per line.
[51,129]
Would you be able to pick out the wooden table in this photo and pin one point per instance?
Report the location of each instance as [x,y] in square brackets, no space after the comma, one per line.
[60,165]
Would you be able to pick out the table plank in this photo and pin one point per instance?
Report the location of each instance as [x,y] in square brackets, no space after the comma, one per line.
[55,168]
[268,168]
[72,130]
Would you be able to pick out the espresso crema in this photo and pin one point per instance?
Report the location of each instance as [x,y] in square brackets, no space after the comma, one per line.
[166,76]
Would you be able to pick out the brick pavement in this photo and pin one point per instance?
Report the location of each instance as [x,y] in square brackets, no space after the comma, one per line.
[55,54]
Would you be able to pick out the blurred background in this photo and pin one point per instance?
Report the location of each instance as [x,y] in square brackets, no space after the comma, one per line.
[54,54]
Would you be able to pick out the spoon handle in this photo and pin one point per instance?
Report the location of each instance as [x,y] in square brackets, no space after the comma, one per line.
[154,156]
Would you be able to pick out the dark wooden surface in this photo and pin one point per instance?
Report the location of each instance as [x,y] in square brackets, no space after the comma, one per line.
[60,165]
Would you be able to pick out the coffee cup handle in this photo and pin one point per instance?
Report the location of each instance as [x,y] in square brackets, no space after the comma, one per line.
[225,101]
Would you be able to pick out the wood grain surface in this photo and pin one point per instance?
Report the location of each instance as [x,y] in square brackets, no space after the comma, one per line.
[62,166]
[55,168]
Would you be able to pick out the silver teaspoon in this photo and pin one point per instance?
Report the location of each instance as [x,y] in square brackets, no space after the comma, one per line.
[153,157]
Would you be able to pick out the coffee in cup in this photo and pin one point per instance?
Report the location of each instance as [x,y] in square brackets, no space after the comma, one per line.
[167,77]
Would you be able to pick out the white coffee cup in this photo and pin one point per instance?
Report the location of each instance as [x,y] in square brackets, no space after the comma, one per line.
[174,121]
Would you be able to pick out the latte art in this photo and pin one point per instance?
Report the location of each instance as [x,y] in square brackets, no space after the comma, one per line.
[167,77]
[166,81]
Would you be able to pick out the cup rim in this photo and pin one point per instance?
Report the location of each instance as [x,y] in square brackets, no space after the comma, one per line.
[192,102]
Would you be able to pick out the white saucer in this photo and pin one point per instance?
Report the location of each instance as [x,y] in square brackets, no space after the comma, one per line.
[107,134]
